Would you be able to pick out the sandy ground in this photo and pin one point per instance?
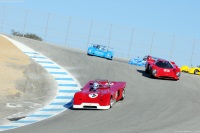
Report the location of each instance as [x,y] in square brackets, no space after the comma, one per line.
[24,86]
[12,65]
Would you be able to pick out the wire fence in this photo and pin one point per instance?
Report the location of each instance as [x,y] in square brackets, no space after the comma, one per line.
[128,42]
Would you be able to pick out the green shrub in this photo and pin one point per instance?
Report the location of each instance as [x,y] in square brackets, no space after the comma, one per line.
[27,35]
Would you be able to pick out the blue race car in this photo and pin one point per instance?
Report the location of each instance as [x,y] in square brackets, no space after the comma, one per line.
[100,51]
[138,61]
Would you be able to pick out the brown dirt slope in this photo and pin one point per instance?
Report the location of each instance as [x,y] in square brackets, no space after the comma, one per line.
[12,65]
[24,85]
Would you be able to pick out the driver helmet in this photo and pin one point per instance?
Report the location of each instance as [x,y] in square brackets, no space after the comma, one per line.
[95,85]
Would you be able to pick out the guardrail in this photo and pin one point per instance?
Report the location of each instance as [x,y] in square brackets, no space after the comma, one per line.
[128,42]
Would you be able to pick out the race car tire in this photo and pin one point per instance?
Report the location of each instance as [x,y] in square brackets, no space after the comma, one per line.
[111,102]
[123,94]
[108,56]
[147,69]
[150,73]
[195,72]
[90,52]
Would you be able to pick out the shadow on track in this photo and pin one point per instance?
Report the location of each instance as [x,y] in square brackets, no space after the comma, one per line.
[144,73]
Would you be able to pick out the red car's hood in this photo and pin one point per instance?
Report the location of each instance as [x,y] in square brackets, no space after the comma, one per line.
[93,96]
[166,71]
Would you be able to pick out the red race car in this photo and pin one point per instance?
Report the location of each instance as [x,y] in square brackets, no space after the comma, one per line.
[150,60]
[99,94]
[161,68]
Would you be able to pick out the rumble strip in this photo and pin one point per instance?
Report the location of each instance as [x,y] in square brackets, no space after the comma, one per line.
[67,86]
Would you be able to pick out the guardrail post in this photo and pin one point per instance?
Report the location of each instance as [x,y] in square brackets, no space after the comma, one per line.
[25,22]
[192,52]
[46,27]
[133,30]
[89,34]
[172,48]
[110,35]
[2,24]
[152,42]
[67,34]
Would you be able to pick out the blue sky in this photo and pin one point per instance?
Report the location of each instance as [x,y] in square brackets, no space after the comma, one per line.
[164,28]
[179,17]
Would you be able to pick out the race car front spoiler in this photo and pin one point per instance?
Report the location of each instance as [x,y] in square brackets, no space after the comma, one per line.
[90,106]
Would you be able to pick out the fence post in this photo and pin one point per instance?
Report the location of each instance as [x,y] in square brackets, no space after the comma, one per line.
[192,52]
[25,23]
[172,48]
[67,31]
[152,42]
[46,27]
[2,18]
[89,34]
[110,35]
[131,42]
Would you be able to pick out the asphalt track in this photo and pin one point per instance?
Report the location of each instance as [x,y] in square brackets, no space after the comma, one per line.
[150,105]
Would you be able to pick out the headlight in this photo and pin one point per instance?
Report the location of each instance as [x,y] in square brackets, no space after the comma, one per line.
[178,74]
[154,71]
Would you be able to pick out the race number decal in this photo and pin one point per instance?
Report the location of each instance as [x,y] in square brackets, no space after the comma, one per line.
[166,70]
[93,95]
[110,83]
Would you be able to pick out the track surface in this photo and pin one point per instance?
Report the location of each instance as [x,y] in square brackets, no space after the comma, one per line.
[150,106]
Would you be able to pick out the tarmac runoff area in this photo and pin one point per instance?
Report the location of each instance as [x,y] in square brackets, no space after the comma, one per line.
[150,105]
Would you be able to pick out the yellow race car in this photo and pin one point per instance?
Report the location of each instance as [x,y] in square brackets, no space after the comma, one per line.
[194,70]
[185,69]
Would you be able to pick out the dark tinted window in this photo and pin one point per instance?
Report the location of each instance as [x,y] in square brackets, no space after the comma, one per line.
[145,58]
[164,64]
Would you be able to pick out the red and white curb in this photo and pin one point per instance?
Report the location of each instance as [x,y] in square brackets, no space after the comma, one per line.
[67,86]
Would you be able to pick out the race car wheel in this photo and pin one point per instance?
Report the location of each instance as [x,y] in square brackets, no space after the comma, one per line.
[150,73]
[89,52]
[195,72]
[111,58]
[123,95]
[108,56]
[111,102]
[147,69]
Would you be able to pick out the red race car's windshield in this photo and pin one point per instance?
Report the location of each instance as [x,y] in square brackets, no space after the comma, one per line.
[164,64]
